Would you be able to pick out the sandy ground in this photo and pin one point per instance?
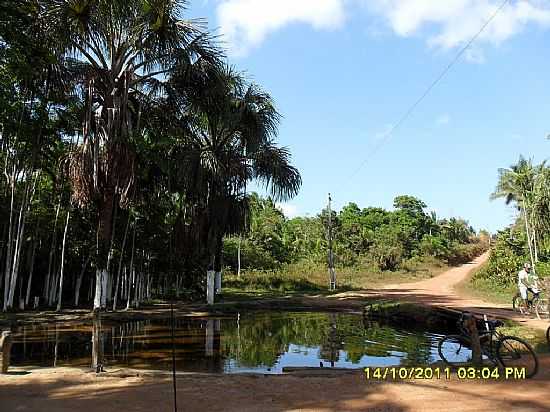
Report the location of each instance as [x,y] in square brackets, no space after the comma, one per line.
[65,389]
[440,291]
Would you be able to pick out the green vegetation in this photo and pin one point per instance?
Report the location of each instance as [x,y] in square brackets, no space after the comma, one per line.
[372,246]
[127,143]
[525,186]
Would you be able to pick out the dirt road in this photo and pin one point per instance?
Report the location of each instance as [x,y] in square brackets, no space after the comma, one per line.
[440,291]
[66,389]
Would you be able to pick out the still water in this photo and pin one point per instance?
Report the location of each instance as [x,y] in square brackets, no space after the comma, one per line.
[252,342]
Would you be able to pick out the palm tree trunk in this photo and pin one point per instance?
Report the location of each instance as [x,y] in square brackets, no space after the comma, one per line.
[61,271]
[535,246]
[528,236]
[110,256]
[7,272]
[132,269]
[79,280]
[103,242]
[115,297]
[51,255]
[25,207]
[31,271]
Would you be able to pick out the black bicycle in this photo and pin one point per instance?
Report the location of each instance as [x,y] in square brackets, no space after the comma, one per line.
[496,349]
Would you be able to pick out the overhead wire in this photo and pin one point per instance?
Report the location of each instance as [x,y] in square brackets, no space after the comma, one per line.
[386,137]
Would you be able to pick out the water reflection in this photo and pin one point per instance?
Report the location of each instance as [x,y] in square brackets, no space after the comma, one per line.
[258,342]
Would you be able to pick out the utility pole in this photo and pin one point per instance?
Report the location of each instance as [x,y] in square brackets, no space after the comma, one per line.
[331,271]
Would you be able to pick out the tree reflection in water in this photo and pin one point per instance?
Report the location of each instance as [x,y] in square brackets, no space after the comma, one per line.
[260,341]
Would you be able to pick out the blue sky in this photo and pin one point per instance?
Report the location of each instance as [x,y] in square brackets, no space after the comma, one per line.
[342,72]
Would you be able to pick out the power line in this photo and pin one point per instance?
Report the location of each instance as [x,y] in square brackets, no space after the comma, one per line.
[411,109]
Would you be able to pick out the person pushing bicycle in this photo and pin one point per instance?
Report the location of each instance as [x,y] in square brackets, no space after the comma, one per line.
[527,282]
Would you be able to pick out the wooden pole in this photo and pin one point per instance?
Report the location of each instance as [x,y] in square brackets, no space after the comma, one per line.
[471,326]
[331,271]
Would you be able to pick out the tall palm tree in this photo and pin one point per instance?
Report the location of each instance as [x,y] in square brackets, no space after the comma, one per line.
[231,143]
[121,52]
[516,185]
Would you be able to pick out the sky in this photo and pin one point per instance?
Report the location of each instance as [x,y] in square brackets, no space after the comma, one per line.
[344,72]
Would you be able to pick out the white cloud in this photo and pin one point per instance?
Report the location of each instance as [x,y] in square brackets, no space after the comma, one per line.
[443,120]
[452,23]
[246,23]
[446,24]
[288,209]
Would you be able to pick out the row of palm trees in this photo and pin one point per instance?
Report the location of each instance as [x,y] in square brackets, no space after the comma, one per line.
[137,124]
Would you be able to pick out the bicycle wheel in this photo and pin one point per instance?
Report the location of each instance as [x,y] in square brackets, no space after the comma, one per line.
[455,350]
[513,352]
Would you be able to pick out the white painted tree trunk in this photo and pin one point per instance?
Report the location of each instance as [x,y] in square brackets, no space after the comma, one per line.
[100,297]
[62,269]
[47,285]
[218,282]
[239,258]
[18,245]
[131,285]
[7,273]
[210,278]
[31,271]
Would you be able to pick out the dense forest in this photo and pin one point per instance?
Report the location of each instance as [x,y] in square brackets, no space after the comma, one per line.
[127,144]
[526,187]
[371,239]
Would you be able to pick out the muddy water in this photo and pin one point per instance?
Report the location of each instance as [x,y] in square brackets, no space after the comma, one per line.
[251,342]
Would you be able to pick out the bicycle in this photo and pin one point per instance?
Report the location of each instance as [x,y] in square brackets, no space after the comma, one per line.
[537,305]
[496,348]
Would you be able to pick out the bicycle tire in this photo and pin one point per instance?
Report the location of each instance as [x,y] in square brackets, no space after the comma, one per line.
[548,335]
[455,350]
[515,352]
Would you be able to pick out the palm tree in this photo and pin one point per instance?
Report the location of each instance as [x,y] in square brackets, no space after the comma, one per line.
[231,142]
[516,185]
[540,215]
[121,54]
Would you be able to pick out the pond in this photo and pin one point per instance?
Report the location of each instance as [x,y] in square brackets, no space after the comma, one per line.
[263,342]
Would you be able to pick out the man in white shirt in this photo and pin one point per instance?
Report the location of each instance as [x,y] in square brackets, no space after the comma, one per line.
[527,282]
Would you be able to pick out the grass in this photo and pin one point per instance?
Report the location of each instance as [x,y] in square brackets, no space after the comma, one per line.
[487,290]
[304,278]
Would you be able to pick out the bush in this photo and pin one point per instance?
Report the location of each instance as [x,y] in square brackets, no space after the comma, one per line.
[388,251]
[252,256]
[464,253]
[434,246]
